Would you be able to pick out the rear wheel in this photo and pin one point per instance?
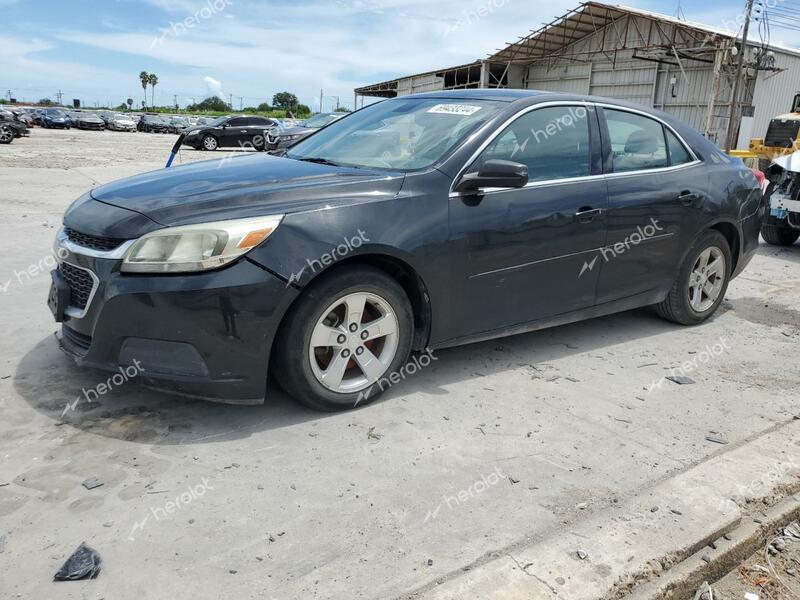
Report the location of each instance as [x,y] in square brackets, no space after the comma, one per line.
[346,333]
[701,283]
[776,233]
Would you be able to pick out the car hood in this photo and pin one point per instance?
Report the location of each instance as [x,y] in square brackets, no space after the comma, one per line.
[243,186]
[293,131]
[123,121]
[92,119]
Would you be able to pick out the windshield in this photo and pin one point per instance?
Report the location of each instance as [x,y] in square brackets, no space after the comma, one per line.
[319,121]
[401,134]
[54,112]
[218,121]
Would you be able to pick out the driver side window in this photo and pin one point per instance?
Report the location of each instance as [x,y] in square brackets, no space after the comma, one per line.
[553,142]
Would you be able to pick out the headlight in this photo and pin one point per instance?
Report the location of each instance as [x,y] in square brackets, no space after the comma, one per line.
[291,138]
[197,247]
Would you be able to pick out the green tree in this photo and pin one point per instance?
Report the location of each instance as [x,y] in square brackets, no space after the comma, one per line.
[152,79]
[46,102]
[342,109]
[144,78]
[129,102]
[212,104]
[302,109]
[285,100]
[264,107]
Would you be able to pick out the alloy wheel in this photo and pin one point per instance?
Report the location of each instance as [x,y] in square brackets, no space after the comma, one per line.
[354,342]
[6,134]
[707,279]
[210,142]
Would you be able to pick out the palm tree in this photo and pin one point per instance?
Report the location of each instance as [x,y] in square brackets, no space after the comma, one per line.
[129,102]
[153,79]
[144,77]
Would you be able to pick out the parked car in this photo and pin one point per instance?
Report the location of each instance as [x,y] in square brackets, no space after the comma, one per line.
[23,116]
[55,118]
[120,122]
[37,114]
[280,138]
[11,127]
[87,120]
[152,124]
[230,132]
[177,124]
[496,212]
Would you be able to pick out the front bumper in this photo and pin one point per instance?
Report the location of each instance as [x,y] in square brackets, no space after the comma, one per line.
[205,335]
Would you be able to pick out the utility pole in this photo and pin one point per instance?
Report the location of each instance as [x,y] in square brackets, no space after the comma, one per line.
[241,103]
[320,101]
[748,14]
[230,101]
[59,95]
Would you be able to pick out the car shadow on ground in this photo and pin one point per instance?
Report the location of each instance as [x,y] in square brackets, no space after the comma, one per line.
[51,383]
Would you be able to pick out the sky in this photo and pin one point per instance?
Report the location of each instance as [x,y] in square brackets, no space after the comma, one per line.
[252,49]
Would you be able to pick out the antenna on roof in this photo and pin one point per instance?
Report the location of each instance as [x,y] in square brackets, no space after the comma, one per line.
[679,12]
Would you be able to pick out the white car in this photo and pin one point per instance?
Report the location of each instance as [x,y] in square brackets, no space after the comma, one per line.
[120,122]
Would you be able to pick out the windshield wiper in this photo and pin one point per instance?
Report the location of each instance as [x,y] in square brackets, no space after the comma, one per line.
[319,161]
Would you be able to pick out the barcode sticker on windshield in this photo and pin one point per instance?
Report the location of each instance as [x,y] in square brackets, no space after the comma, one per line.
[454,109]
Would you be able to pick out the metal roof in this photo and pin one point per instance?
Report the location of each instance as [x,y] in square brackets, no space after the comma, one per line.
[593,17]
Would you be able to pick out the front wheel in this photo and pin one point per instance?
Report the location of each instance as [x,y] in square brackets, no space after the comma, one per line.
[209,142]
[6,134]
[344,341]
[701,283]
[776,233]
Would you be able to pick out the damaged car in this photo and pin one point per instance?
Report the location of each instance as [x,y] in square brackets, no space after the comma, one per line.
[418,223]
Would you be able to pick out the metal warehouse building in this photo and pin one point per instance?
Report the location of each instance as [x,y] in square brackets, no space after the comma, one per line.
[683,68]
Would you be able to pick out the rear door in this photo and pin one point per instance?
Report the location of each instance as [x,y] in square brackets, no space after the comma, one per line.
[524,251]
[656,187]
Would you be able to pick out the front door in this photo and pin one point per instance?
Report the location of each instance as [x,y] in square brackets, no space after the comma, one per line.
[526,253]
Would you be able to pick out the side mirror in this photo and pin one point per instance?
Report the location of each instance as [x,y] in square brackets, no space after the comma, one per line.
[495,174]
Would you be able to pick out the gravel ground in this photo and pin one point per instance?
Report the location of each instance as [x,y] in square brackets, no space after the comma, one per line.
[206,501]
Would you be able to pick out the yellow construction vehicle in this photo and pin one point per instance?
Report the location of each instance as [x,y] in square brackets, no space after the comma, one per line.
[778,156]
[783,137]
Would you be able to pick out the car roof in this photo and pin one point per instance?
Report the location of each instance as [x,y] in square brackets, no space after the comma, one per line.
[500,94]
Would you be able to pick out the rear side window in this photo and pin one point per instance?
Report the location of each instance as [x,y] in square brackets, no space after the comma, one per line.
[637,142]
[240,122]
[552,142]
[678,155]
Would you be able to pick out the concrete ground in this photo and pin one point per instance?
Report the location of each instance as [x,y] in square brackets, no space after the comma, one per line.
[492,449]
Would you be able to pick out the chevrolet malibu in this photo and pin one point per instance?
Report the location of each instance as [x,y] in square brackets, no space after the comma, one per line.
[414,224]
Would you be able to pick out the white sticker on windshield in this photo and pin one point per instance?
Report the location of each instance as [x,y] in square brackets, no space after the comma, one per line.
[455,109]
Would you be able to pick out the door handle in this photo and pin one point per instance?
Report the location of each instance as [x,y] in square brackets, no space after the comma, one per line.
[687,198]
[587,215]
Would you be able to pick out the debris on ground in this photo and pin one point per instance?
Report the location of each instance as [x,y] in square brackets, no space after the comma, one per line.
[91,483]
[2,543]
[717,439]
[681,380]
[372,435]
[582,555]
[83,563]
[704,592]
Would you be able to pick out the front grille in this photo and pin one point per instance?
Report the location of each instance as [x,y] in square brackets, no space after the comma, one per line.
[76,342]
[92,241]
[80,284]
[782,134]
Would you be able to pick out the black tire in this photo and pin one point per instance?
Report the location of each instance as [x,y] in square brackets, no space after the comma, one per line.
[207,141]
[292,366]
[677,307]
[776,233]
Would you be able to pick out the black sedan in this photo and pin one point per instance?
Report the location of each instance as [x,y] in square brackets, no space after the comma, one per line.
[495,212]
[53,118]
[153,124]
[244,132]
[279,139]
